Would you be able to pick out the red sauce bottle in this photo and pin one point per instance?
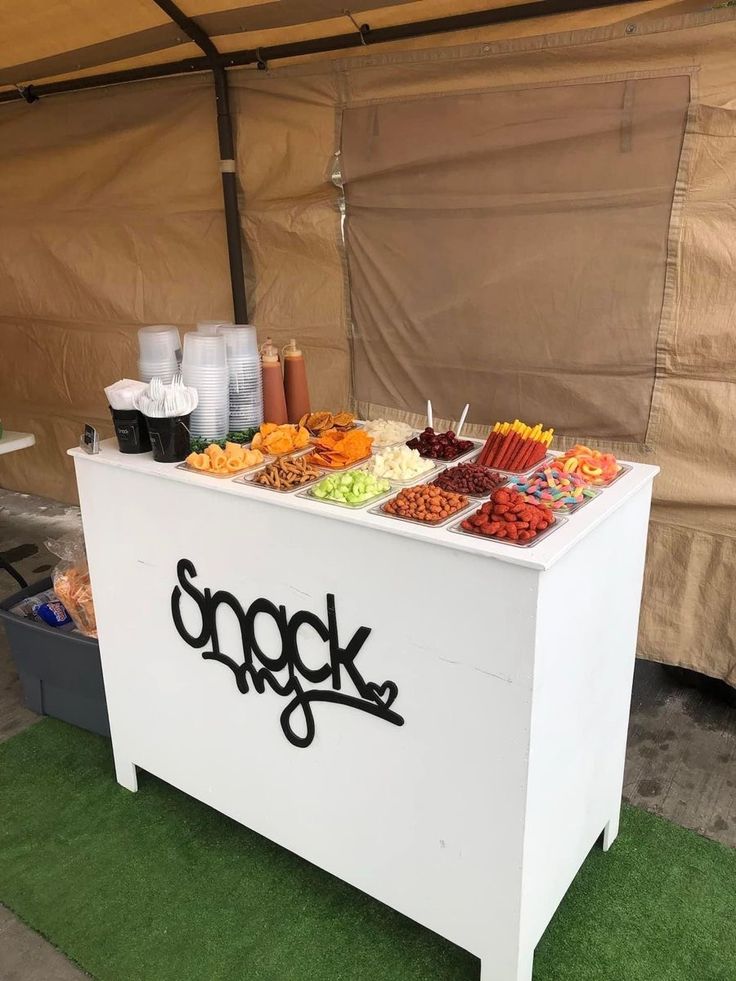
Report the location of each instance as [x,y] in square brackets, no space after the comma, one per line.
[274,399]
[295,382]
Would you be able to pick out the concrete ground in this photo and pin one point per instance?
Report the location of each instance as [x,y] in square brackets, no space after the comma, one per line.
[681,761]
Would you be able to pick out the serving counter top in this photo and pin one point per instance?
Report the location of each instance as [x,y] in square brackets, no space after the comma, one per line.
[540,555]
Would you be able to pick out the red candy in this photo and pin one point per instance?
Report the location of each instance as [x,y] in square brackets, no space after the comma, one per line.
[507,515]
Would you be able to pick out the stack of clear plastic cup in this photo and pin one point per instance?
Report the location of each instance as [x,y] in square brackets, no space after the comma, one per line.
[246,382]
[212,327]
[159,352]
[204,367]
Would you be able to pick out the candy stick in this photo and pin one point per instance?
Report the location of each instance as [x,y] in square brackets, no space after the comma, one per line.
[508,450]
[491,448]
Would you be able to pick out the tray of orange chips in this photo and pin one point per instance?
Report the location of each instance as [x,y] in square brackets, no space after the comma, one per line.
[227,462]
[319,422]
[338,450]
[280,440]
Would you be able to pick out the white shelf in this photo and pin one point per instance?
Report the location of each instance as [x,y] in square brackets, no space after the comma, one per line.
[9,441]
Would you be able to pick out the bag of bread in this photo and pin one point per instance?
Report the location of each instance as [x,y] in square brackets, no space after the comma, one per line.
[71,582]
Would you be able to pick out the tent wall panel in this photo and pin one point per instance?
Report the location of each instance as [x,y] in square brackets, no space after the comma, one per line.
[696,369]
[112,217]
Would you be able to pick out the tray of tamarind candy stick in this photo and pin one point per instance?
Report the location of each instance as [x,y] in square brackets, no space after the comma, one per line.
[507,517]
[515,447]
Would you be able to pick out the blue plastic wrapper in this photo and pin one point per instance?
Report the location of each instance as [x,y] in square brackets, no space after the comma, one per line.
[54,614]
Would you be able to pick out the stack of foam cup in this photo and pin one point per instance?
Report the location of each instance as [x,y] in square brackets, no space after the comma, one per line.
[212,327]
[244,369]
[159,352]
[204,367]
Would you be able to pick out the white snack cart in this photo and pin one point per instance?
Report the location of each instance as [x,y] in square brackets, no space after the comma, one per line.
[438,719]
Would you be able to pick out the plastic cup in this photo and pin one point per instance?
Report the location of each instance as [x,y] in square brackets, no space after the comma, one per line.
[211,327]
[166,374]
[241,341]
[158,342]
[204,351]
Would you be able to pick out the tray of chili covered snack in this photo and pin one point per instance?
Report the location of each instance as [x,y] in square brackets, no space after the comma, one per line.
[507,517]
[426,504]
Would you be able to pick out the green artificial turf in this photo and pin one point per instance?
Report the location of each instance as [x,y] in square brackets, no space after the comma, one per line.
[158,887]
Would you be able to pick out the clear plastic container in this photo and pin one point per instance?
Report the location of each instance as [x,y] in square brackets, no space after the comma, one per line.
[463,458]
[544,462]
[348,466]
[204,350]
[158,342]
[249,479]
[309,493]
[568,508]
[421,478]
[486,494]
[426,524]
[225,476]
[457,529]
[240,340]
[624,470]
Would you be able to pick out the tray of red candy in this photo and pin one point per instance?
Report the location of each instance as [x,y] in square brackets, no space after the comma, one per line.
[442,446]
[507,517]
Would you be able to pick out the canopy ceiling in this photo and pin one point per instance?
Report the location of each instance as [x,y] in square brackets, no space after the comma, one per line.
[44,41]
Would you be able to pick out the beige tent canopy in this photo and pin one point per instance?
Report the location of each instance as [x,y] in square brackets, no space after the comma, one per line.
[538,203]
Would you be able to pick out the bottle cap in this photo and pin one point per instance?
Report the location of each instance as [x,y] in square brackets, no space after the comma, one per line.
[291,350]
[269,352]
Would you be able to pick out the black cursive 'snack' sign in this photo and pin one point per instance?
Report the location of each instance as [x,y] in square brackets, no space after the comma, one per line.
[259,669]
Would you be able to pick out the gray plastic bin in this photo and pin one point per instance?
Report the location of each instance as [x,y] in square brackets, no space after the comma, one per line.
[60,671]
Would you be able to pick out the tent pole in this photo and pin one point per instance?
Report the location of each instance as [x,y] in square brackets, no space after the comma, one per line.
[230,194]
[227,153]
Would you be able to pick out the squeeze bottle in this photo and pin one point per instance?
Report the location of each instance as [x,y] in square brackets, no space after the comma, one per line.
[295,382]
[274,400]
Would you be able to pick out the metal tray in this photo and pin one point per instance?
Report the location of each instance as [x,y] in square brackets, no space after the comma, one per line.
[422,478]
[425,524]
[250,481]
[624,470]
[457,529]
[390,446]
[568,509]
[349,466]
[544,462]
[486,494]
[463,458]
[230,474]
[342,504]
